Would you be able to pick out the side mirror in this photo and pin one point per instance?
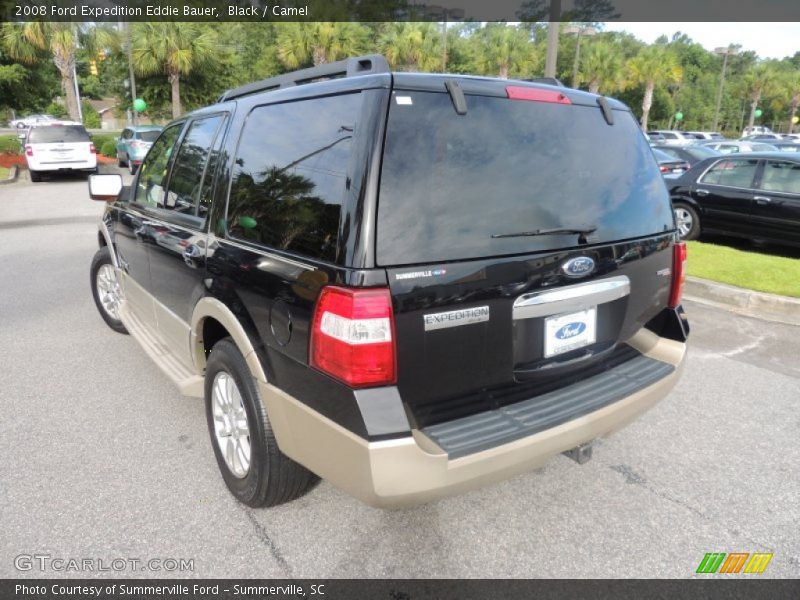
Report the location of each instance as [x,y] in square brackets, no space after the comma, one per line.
[105,187]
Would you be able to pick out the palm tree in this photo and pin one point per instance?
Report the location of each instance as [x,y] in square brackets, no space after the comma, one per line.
[411,46]
[504,49]
[655,65]
[601,67]
[791,83]
[25,41]
[758,80]
[174,48]
[318,42]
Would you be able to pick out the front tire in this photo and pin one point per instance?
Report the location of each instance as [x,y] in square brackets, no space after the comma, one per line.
[106,290]
[256,472]
[687,221]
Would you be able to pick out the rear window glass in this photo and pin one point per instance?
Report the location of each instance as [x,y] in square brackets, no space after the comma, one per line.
[450,182]
[148,136]
[58,133]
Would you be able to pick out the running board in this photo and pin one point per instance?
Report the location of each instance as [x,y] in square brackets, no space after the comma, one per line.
[188,382]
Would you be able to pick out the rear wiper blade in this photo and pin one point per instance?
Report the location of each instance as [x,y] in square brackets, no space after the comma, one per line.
[582,232]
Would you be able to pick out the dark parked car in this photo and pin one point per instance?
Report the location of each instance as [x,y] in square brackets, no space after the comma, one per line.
[669,165]
[690,154]
[408,284]
[754,195]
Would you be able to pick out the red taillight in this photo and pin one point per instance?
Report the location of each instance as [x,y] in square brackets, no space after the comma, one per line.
[92,149]
[664,169]
[678,274]
[29,150]
[517,92]
[352,336]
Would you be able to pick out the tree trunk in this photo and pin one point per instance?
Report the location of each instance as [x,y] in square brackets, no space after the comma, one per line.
[753,105]
[319,56]
[594,85]
[503,74]
[793,111]
[175,82]
[647,102]
[66,67]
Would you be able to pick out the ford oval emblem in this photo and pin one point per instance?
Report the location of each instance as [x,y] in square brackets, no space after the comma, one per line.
[578,267]
[570,330]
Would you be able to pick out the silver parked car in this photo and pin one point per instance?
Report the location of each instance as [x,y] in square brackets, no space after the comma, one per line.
[732,146]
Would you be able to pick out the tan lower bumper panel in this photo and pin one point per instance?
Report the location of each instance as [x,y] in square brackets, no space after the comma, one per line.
[414,470]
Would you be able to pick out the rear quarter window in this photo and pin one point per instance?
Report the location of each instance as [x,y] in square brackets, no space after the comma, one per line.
[290,175]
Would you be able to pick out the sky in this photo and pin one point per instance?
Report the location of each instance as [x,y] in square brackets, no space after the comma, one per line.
[768,40]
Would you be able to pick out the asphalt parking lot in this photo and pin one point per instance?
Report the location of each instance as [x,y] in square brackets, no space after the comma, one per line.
[103,459]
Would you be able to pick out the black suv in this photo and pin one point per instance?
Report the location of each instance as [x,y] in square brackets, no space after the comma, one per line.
[408,284]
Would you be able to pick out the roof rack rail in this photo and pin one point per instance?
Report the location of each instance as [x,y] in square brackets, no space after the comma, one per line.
[358,65]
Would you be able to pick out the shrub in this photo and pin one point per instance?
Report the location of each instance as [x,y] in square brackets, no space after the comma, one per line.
[101,139]
[10,143]
[91,118]
[57,110]
[109,148]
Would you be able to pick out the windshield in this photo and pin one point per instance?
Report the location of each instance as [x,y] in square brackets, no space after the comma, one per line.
[58,133]
[148,136]
[450,182]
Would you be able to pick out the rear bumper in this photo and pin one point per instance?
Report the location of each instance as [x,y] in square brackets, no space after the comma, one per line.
[413,469]
[83,165]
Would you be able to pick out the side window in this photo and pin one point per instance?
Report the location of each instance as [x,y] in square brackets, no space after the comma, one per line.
[153,172]
[669,136]
[781,176]
[189,166]
[290,175]
[732,173]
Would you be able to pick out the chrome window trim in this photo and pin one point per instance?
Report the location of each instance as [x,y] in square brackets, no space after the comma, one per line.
[570,298]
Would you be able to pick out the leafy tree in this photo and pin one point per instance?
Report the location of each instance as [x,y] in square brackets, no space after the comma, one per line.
[601,67]
[655,66]
[175,48]
[790,84]
[24,41]
[412,46]
[319,42]
[758,80]
[505,50]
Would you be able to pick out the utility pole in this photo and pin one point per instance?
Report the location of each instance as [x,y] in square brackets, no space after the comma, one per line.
[580,31]
[725,52]
[552,38]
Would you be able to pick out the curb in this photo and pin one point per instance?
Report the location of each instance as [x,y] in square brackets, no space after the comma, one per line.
[760,305]
[12,176]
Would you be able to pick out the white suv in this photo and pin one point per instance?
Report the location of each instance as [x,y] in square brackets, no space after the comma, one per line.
[59,148]
[676,138]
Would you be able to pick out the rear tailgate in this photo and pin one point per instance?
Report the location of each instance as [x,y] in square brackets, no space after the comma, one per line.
[491,305]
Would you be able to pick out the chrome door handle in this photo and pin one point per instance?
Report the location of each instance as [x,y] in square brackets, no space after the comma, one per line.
[702,192]
[762,199]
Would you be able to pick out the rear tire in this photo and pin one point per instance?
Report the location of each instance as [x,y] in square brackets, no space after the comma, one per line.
[256,472]
[121,163]
[106,289]
[687,220]
[132,168]
[36,177]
